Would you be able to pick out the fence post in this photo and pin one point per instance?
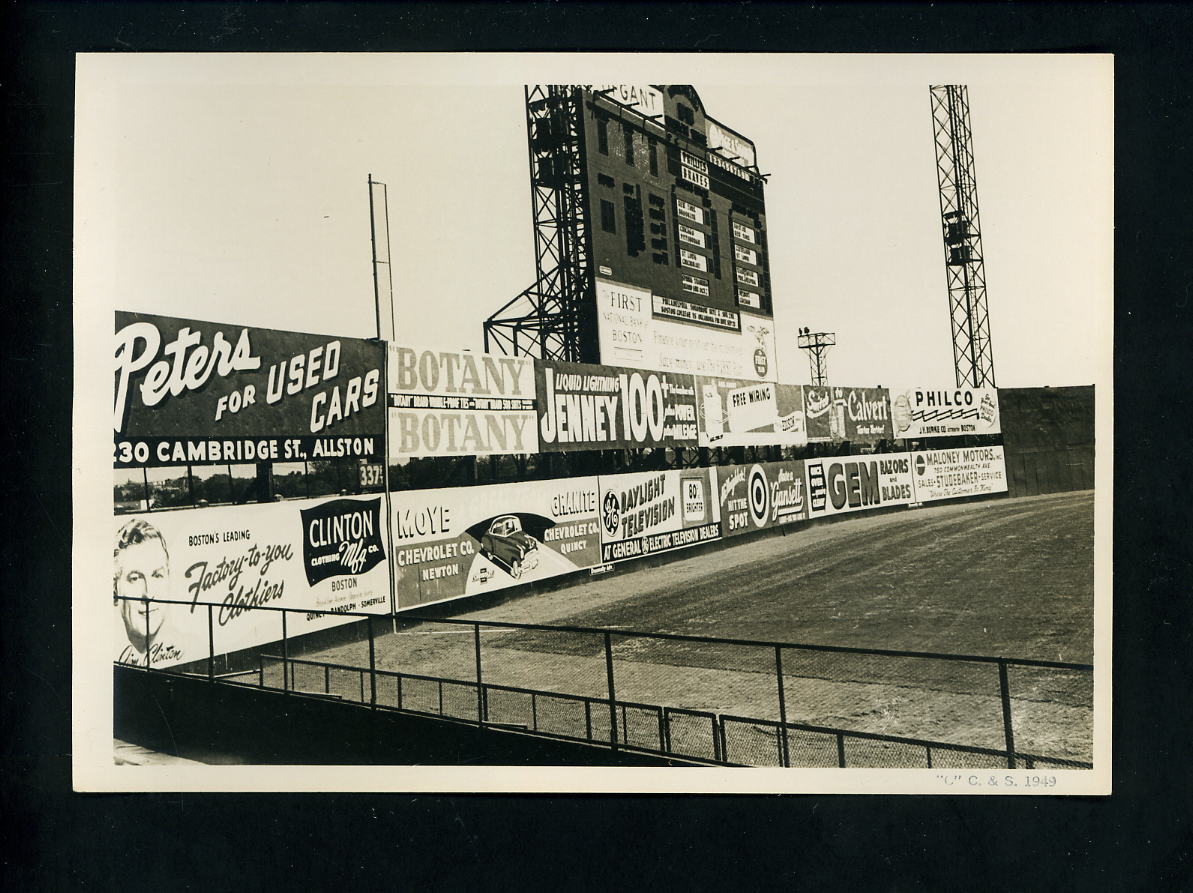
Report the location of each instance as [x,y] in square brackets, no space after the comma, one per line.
[612,692]
[372,667]
[285,656]
[148,650]
[481,712]
[1005,691]
[210,647]
[840,750]
[784,754]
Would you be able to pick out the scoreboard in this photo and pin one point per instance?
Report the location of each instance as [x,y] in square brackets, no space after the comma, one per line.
[678,234]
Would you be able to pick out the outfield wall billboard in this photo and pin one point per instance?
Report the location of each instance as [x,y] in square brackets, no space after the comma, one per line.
[918,413]
[856,483]
[457,403]
[587,407]
[191,393]
[765,494]
[949,474]
[853,414]
[644,513]
[733,412]
[312,554]
[469,540]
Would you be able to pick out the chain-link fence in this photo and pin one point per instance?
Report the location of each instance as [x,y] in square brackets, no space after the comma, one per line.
[696,699]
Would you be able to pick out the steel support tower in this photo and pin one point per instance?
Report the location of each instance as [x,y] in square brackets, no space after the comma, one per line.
[973,355]
[548,319]
[817,345]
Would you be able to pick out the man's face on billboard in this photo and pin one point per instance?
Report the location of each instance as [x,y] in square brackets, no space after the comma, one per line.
[142,571]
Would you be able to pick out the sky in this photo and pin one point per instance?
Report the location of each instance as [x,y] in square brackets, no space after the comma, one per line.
[234,188]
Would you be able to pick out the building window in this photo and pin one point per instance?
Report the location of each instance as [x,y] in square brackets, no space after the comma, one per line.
[605,180]
[654,158]
[629,144]
[608,217]
[602,136]
[686,115]
[635,226]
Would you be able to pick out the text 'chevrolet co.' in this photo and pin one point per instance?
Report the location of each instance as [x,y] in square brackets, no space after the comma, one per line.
[194,393]
[469,540]
[320,557]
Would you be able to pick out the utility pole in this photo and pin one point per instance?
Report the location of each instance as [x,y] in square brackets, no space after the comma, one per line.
[383,283]
[817,345]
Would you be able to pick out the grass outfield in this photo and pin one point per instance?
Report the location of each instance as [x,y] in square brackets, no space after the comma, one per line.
[1010,578]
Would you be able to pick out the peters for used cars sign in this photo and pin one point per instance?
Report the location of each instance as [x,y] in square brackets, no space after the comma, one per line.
[193,393]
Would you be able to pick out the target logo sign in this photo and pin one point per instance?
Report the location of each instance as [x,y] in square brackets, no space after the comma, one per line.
[758,493]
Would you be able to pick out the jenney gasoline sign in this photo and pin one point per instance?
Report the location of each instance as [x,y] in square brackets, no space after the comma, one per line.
[189,392]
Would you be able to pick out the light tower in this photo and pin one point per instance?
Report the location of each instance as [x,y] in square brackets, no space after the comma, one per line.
[546,320]
[973,355]
[817,345]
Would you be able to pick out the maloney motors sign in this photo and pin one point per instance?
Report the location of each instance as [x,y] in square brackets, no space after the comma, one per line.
[190,392]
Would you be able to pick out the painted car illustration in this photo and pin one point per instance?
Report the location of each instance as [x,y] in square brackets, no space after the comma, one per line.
[505,543]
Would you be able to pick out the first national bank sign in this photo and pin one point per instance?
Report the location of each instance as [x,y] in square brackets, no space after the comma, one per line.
[192,392]
[642,330]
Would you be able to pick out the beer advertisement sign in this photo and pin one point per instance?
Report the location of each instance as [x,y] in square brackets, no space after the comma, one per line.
[765,494]
[315,555]
[917,413]
[468,540]
[948,474]
[644,513]
[584,407]
[856,483]
[188,392]
[457,403]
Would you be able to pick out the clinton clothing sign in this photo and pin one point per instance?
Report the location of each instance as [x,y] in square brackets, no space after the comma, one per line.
[584,407]
[192,393]
[948,474]
[467,540]
[927,412]
[766,494]
[313,555]
[742,413]
[449,403]
[854,414]
[856,483]
[647,512]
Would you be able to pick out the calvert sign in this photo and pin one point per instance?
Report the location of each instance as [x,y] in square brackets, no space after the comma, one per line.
[854,414]
[928,412]
[766,494]
[856,483]
[632,333]
[467,540]
[647,512]
[584,407]
[449,403]
[191,392]
[314,555]
[742,413]
[948,474]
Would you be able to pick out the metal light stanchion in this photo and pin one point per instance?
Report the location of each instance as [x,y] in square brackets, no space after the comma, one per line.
[210,647]
[784,753]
